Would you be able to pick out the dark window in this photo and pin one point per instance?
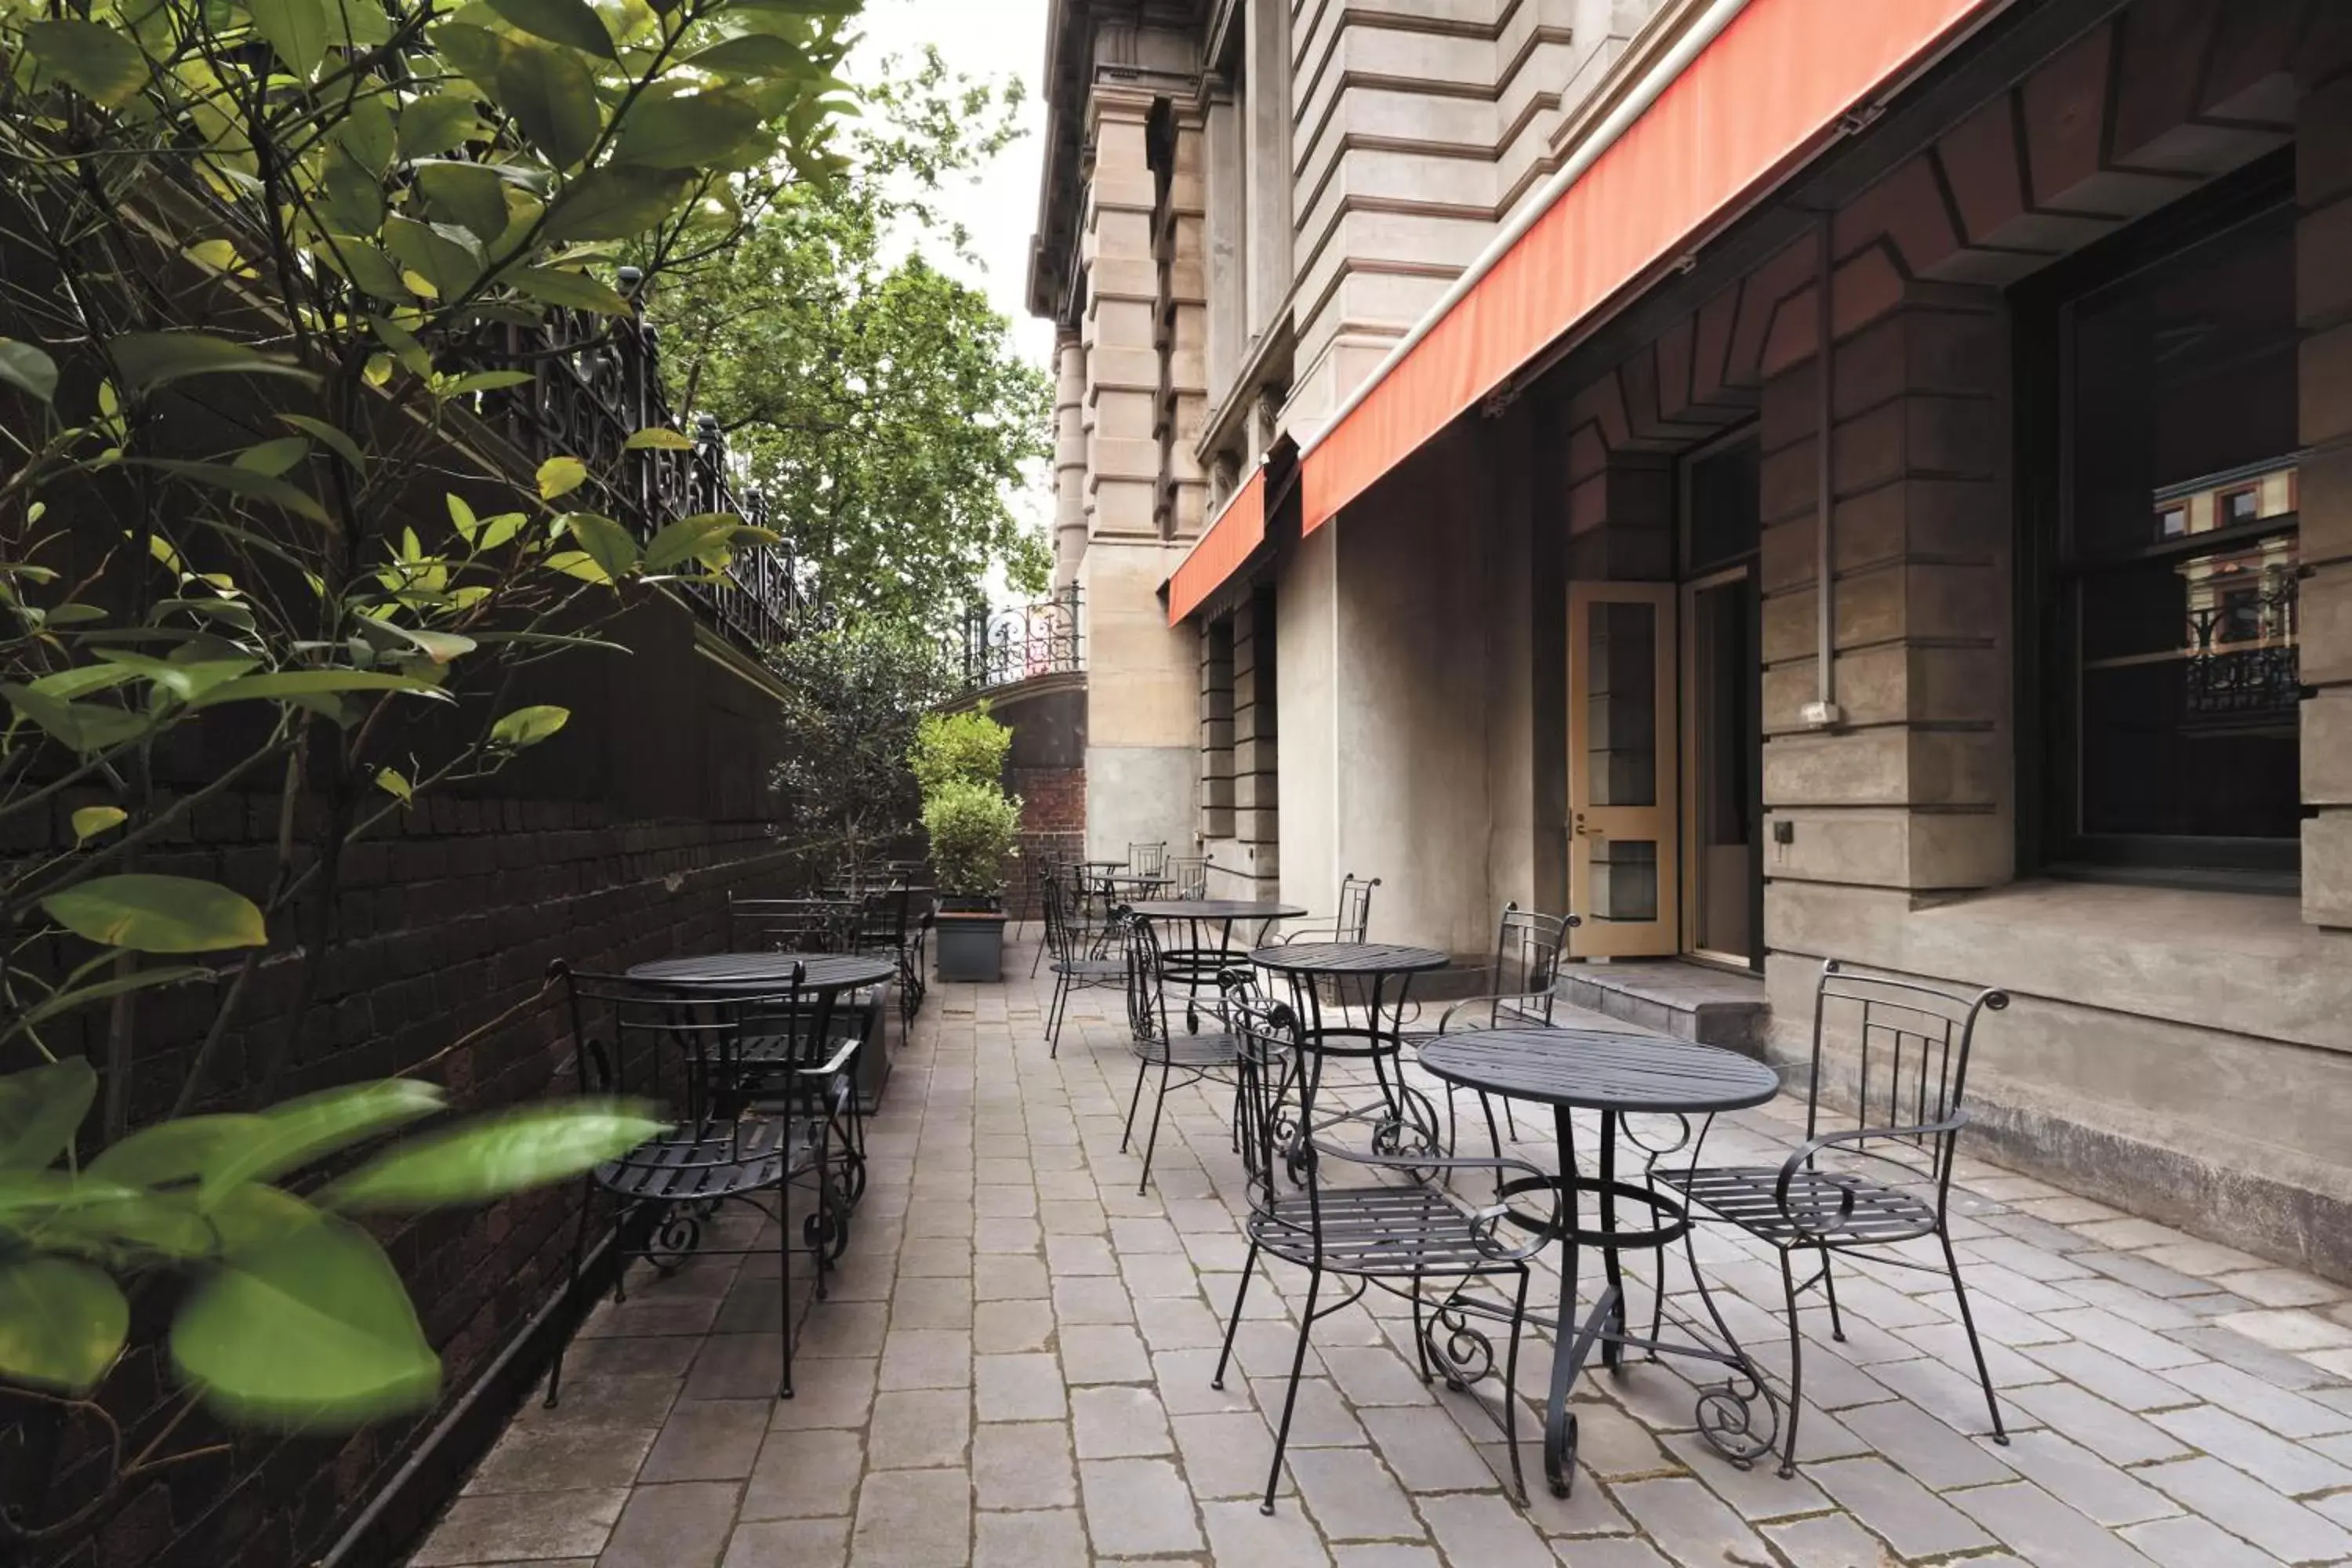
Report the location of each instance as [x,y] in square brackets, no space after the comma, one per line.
[1726,516]
[2169,656]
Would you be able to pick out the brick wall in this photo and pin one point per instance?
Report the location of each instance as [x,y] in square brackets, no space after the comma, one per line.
[446,925]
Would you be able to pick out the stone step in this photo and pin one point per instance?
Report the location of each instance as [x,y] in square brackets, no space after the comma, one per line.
[1688,1001]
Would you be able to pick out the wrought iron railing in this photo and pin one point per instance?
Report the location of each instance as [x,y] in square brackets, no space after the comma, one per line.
[999,647]
[596,381]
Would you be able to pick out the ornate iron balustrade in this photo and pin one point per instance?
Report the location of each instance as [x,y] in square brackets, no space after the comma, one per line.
[998,648]
[596,381]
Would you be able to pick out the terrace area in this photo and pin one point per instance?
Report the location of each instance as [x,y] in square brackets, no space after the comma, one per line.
[1013,1367]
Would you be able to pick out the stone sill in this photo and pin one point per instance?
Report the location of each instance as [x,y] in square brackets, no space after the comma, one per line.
[2244,963]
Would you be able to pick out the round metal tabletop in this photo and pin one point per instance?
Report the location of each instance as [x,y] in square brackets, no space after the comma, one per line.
[823,971]
[1592,1070]
[1347,958]
[1215,910]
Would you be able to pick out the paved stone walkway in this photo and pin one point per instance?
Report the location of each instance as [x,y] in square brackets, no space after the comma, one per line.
[1014,1369]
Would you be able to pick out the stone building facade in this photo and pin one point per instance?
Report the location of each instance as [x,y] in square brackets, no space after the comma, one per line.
[1932,552]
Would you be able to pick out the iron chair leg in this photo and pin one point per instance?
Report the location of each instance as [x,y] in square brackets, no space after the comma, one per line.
[1796,1366]
[1127,1134]
[1511,1386]
[1829,1288]
[1240,1294]
[1969,1322]
[1159,1105]
[1290,1399]
[1053,1016]
[572,1290]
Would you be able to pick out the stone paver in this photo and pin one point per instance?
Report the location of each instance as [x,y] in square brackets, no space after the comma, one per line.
[1013,1368]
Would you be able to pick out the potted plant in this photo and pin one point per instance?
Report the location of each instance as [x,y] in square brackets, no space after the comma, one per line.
[974,829]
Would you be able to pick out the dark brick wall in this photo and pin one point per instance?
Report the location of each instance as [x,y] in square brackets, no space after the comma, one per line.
[604,850]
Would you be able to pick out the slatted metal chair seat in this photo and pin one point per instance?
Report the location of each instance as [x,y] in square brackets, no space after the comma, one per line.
[1392,1231]
[1195,1051]
[719,1164]
[1862,1212]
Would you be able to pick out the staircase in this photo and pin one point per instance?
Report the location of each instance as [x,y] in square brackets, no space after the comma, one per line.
[1686,1000]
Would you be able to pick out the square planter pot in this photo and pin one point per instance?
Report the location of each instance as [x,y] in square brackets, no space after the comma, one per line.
[970,946]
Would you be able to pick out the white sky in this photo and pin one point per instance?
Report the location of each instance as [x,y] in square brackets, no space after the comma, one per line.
[996,39]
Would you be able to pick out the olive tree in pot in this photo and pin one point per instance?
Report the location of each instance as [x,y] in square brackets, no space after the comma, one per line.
[974,827]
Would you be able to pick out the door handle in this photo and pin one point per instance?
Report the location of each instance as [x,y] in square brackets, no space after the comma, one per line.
[1584,832]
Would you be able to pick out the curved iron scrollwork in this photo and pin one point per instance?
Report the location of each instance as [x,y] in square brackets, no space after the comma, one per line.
[998,648]
[596,381]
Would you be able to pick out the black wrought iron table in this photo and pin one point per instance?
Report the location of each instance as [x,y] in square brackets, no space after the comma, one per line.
[1198,960]
[1618,1076]
[1358,975]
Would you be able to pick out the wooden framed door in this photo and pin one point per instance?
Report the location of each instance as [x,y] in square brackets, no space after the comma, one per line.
[1624,794]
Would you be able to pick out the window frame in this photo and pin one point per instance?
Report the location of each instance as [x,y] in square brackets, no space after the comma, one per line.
[2049,681]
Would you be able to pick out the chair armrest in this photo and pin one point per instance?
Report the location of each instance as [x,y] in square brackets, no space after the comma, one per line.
[1805,1153]
[839,1060]
[1488,999]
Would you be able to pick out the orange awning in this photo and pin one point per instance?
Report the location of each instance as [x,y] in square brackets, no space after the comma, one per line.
[1238,529]
[1766,90]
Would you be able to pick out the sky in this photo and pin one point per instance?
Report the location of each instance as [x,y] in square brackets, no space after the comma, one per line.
[993,38]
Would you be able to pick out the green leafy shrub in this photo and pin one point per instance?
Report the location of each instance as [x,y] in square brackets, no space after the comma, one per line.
[951,748]
[974,829]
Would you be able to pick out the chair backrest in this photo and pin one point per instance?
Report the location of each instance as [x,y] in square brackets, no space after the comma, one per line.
[1269,1102]
[1063,929]
[1147,977]
[1190,874]
[1148,859]
[1353,916]
[1527,945]
[882,917]
[1898,1051]
[790,925]
[681,1048]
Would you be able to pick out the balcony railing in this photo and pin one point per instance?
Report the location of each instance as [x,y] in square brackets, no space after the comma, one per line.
[598,382]
[1000,647]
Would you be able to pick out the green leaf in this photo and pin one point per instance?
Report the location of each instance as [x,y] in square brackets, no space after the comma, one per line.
[367,132]
[172,1151]
[438,122]
[614,203]
[313,1328]
[658,439]
[471,193]
[98,61]
[435,253]
[150,360]
[85,727]
[342,445]
[274,457]
[58,1001]
[28,369]
[755,54]
[281,493]
[438,646]
[572,290]
[296,30]
[40,1108]
[559,21]
[552,96]
[528,726]
[364,264]
[300,1130]
[61,1322]
[491,1158]
[561,475]
[298,685]
[394,782]
[187,681]
[92,820]
[486,381]
[689,539]
[152,913]
[685,132]
[606,542]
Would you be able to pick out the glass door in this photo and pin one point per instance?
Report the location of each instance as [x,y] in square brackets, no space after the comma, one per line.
[1723,846]
[1623,795]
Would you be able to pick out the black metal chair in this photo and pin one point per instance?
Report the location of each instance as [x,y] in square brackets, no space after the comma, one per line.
[1351,920]
[886,924]
[751,1125]
[1198,1053]
[1899,1053]
[1148,859]
[790,925]
[1376,1219]
[1079,964]
[1191,877]
[1515,992]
